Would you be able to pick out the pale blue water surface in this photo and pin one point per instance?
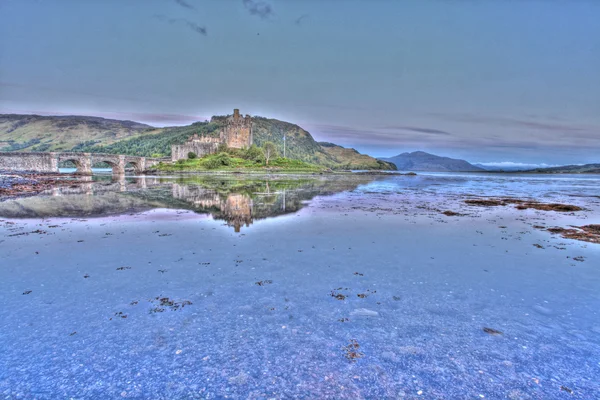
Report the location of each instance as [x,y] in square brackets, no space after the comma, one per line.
[250,271]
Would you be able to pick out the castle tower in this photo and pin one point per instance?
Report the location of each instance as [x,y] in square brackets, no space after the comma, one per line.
[237,132]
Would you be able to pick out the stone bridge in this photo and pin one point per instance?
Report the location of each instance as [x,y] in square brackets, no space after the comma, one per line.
[48,162]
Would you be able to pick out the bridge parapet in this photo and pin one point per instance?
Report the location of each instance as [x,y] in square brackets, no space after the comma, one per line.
[48,162]
[38,162]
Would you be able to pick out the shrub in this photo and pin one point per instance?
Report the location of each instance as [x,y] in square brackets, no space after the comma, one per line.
[212,163]
[255,154]
[223,159]
[222,148]
[192,155]
[218,160]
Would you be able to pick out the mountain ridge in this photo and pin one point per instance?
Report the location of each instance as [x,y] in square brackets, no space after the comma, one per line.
[423,161]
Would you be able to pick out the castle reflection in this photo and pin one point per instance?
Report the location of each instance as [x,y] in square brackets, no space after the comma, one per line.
[234,208]
[239,201]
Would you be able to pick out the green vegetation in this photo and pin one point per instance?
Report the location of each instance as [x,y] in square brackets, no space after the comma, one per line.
[251,160]
[192,155]
[158,143]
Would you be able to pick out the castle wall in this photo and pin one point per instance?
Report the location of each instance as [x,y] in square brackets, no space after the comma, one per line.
[201,149]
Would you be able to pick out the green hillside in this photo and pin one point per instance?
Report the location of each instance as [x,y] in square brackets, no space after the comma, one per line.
[63,133]
[156,143]
[99,135]
[353,159]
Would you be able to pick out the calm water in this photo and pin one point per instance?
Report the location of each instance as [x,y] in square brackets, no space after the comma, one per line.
[307,287]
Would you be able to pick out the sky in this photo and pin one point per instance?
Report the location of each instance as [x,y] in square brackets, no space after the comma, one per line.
[494,81]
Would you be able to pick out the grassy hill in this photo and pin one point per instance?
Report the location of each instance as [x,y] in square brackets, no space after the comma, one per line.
[569,169]
[353,159]
[92,134]
[63,133]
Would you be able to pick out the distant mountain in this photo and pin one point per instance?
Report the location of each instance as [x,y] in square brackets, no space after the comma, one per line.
[421,161]
[59,133]
[569,169]
[93,134]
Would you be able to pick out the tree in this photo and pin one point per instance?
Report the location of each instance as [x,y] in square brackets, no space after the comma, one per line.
[270,151]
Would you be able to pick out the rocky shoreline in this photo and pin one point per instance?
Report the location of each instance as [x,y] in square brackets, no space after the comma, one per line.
[26,184]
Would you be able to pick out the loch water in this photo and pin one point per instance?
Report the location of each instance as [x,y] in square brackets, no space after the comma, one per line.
[313,286]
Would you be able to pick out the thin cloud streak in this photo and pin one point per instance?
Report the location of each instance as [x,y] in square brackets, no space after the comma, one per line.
[261,9]
[185,4]
[382,138]
[518,123]
[190,24]
[366,136]
[417,129]
[301,18]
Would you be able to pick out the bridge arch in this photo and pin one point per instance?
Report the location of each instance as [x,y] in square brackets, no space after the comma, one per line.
[137,165]
[79,165]
[81,160]
[114,162]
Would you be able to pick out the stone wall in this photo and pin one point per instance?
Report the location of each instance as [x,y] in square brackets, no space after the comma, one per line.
[39,162]
[201,149]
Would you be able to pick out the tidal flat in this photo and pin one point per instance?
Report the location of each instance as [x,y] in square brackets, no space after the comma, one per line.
[339,287]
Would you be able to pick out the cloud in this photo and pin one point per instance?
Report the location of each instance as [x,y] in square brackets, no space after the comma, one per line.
[417,129]
[259,8]
[190,24]
[365,136]
[520,123]
[511,165]
[299,20]
[185,4]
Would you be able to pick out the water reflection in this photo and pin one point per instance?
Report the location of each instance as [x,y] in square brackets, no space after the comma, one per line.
[239,201]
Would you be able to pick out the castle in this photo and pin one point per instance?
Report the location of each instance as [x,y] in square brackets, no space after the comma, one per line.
[236,133]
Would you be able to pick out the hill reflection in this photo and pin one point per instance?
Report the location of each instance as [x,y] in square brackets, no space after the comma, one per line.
[239,201]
